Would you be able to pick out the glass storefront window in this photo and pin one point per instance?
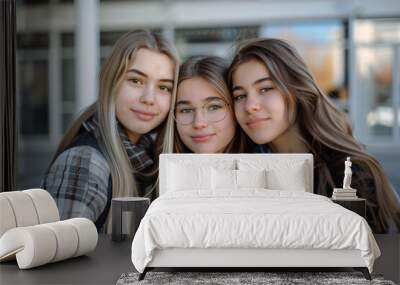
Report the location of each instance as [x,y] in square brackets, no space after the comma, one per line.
[68,86]
[33,96]
[68,80]
[67,119]
[377,49]
[377,30]
[321,44]
[374,75]
[32,82]
[210,41]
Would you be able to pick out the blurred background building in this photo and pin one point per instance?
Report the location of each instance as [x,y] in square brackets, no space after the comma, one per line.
[352,47]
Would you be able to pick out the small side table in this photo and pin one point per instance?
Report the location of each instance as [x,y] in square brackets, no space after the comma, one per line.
[357,205]
[137,205]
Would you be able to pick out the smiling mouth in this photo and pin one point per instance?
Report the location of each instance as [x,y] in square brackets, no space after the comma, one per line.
[202,138]
[256,122]
[144,116]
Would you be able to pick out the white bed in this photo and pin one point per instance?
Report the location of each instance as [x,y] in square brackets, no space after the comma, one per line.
[247,210]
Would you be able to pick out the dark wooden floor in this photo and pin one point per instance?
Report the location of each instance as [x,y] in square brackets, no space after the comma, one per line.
[106,264]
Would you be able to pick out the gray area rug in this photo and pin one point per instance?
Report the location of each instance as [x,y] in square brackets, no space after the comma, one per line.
[226,278]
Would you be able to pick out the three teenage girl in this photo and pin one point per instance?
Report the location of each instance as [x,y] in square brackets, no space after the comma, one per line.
[145,107]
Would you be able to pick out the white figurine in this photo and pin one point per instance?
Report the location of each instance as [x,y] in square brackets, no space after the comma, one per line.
[347,174]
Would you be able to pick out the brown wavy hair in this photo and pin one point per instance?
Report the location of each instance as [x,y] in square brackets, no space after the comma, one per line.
[322,126]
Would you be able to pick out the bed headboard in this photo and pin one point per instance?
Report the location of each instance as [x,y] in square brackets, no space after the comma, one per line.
[285,165]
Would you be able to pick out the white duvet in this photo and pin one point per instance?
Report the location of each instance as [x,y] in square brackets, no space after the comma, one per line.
[251,218]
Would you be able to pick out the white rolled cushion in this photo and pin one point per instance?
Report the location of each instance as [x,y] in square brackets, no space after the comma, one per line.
[223,179]
[23,208]
[182,177]
[251,178]
[66,238]
[40,244]
[45,205]
[33,246]
[7,218]
[87,234]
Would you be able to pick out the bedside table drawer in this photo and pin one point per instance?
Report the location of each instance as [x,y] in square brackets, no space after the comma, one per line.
[357,205]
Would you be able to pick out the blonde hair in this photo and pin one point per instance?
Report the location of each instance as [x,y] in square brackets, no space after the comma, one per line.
[213,69]
[111,77]
[321,123]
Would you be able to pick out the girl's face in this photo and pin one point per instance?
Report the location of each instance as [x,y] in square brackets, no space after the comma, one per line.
[144,98]
[259,105]
[204,121]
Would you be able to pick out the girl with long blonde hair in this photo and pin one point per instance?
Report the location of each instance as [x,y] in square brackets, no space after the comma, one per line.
[109,150]
[278,103]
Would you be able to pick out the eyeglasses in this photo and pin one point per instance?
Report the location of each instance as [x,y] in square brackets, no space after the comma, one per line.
[213,111]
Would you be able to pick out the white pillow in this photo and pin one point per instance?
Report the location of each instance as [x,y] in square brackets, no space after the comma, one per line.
[281,174]
[292,179]
[251,178]
[223,179]
[181,177]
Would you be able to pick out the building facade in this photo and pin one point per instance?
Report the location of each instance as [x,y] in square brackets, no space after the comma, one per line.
[352,47]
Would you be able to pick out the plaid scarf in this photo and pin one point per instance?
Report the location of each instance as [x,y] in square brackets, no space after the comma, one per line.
[140,154]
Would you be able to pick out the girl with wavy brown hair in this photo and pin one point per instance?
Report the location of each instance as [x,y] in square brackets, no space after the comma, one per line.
[278,103]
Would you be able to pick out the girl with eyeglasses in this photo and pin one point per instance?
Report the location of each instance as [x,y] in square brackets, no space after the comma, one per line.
[203,118]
